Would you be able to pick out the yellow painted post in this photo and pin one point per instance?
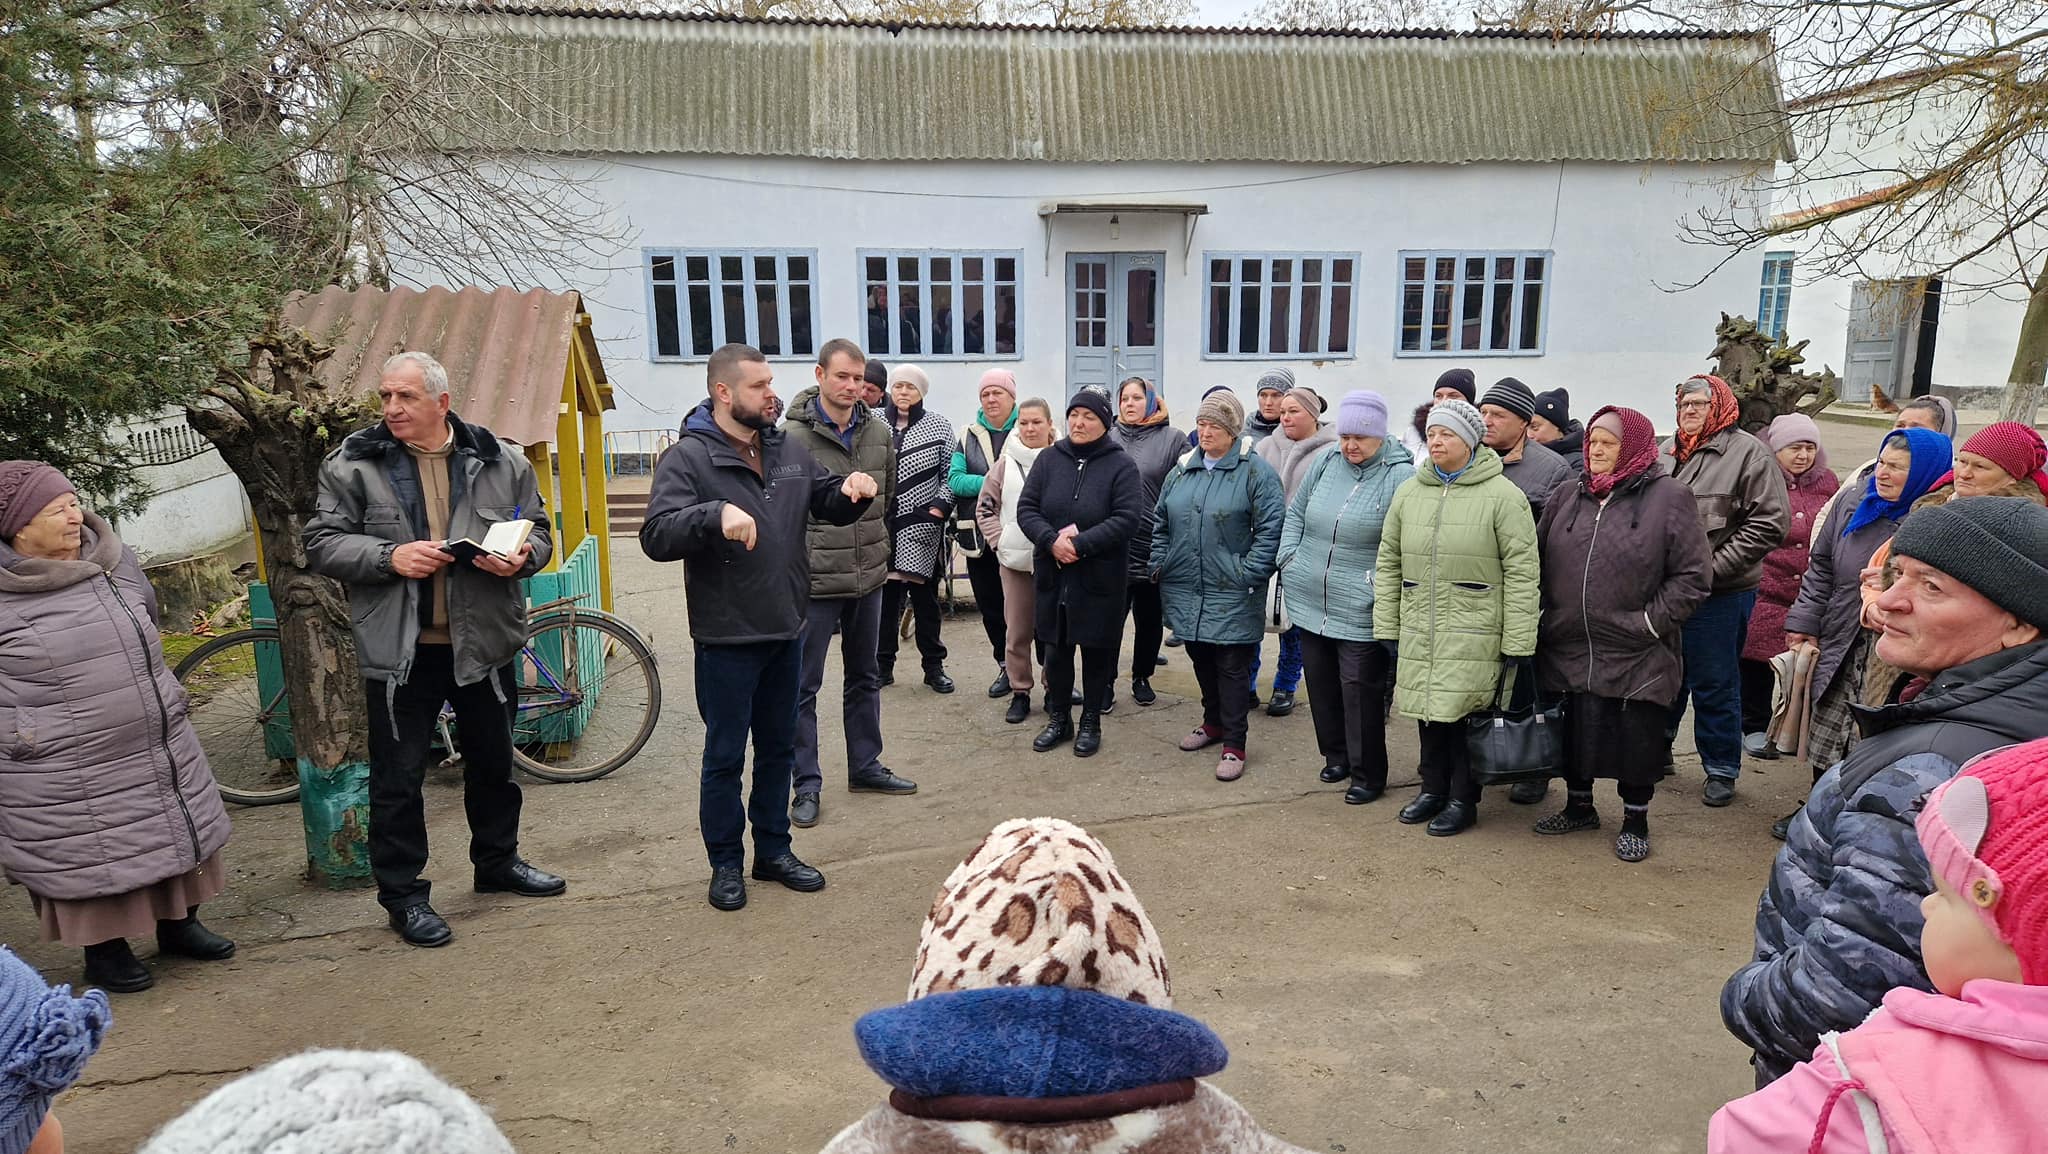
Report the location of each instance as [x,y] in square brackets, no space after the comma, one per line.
[569,451]
[600,501]
[543,462]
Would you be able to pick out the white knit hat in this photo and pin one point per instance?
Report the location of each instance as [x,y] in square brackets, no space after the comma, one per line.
[334,1102]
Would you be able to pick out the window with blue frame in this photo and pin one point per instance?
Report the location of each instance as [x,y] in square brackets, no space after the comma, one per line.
[1280,306]
[1774,300]
[1472,303]
[699,299]
[939,304]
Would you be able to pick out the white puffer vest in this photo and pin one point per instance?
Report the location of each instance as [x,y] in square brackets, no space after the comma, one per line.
[1014,549]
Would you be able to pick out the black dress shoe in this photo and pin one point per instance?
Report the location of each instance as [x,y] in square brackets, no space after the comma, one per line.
[804,813]
[1142,692]
[880,780]
[728,888]
[1088,738]
[1529,792]
[1424,807]
[1020,708]
[1000,687]
[1281,705]
[1362,794]
[1456,818]
[1059,729]
[939,682]
[1332,774]
[1108,702]
[1077,699]
[113,967]
[1782,828]
[1159,660]
[420,926]
[785,868]
[522,879]
[187,938]
[885,677]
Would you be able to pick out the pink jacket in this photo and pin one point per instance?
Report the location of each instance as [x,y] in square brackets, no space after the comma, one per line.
[1925,1074]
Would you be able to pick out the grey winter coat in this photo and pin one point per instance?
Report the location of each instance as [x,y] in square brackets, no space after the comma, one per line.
[847,560]
[370,503]
[1290,459]
[1331,540]
[1215,539]
[1154,449]
[105,788]
[1537,474]
[1840,922]
[1830,601]
[1743,506]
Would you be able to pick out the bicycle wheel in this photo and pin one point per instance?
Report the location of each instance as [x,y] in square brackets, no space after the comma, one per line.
[238,708]
[589,695]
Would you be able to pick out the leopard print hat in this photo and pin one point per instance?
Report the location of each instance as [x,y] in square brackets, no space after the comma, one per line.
[1040,902]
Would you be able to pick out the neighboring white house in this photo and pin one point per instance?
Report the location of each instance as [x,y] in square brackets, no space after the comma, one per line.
[1193,206]
[197,506]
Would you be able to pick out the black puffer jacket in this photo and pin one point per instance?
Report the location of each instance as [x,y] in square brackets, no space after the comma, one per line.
[1096,488]
[1840,923]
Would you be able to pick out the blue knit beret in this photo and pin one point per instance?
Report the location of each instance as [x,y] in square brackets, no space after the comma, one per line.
[46,1035]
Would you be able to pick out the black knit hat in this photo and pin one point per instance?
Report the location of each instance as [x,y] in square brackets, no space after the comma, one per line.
[1461,380]
[1093,400]
[1995,545]
[876,373]
[1555,406]
[1512,395]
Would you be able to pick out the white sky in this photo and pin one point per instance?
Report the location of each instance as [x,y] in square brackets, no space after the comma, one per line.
[1212,13]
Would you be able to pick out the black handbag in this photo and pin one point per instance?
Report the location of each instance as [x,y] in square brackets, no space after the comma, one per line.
[1506,746]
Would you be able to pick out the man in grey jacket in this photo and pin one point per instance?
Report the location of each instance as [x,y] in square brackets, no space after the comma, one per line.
[430,630]
[849,563]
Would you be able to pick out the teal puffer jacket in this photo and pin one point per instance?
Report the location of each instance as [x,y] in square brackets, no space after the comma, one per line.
[1215,536]
[1463,560]
[1331,541]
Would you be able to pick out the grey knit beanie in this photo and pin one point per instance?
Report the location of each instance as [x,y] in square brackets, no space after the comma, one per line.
[1995,545]
[1461,419]
[334,1102]
[1223,410]
[1275,380]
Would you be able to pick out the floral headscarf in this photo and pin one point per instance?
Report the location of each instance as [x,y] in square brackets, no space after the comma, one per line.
[1638,448]
[1720,418]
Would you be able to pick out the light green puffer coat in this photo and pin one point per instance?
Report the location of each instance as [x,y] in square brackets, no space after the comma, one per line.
[1463,558]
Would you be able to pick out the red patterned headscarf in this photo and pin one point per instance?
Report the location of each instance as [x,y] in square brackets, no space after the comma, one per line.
[1638,448]
[1722,416]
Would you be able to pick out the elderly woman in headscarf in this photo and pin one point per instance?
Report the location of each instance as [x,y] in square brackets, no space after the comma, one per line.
[1147,434]
[109,816]
[1625,563]
[917,524]
[1809,484]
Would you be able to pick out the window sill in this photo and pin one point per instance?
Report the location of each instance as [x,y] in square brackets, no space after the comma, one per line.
[771,358]
[1441,353]
[1332,357]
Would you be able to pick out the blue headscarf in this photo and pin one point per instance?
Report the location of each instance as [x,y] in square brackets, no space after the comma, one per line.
[1933,457]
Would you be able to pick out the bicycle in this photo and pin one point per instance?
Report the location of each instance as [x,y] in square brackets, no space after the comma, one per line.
[589,697]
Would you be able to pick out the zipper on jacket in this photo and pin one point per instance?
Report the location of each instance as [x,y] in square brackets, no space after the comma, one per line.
[1435,585]
[163,717]
[1336,529]
[1585,580]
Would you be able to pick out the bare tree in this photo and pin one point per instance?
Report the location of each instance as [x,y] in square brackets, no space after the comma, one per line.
[1560,16]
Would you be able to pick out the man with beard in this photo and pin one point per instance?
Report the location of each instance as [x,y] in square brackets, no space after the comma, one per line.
[732,500]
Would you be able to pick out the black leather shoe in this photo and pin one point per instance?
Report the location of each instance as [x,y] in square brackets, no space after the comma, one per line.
[1142,692]
[1059,729]
[1332,774]
[881,781]
[1020,708]
[1456,818]
[1077,699]
[1108,702]
[522,879]
[1159,660]
[1000,687]
[113,967]
[1362,794]
[1718,791]
[1529,792]
[1281,705]
[885,677]
[804,813]
[1255,702]
[786,869]
[188,939]
[1088,739]
[939,682]
[1424,807]
[1782,828]
[420,926]
[728,888]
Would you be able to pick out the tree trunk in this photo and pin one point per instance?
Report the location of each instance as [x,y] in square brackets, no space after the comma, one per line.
[2030,361]
[273,424]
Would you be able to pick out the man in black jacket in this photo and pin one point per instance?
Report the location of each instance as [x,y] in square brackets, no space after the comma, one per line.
[732,500]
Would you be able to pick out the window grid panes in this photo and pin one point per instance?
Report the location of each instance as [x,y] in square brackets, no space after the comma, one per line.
[1774,300]
[699,299]
[941,305]
[1465,303]
[1280,306]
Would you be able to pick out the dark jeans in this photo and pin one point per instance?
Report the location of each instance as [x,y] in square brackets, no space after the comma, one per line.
[858,620]
[1223,671]
[1713,681]
[398,767]
[1098,671]
[1758,683]
[1287,676]
[1148,628]
[924,606]
[985,577]
[1446,768]
[742,689]
[1347,700]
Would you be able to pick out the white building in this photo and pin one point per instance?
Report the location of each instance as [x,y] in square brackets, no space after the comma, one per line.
[196,506]
[1190,205]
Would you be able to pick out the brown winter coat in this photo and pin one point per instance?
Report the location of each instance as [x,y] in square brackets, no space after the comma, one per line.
[103,786]
[1740,493]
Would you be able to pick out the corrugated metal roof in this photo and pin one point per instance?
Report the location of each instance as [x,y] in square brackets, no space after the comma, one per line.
[674,84]
[506,351]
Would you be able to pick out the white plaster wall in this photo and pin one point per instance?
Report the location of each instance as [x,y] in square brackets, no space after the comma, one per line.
[198,506]
[1616,332]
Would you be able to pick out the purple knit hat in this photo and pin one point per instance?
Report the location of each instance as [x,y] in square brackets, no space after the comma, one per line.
[25,487]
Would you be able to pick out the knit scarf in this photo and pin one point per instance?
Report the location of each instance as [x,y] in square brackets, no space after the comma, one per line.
[1720,418]
[1022,456]
[1638,450]
[1932,455]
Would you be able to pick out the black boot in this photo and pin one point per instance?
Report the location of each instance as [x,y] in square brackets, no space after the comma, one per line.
[1089,737]
[1020,708]
[1424,807]
[188,938]
[1059,728]
[112,966]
